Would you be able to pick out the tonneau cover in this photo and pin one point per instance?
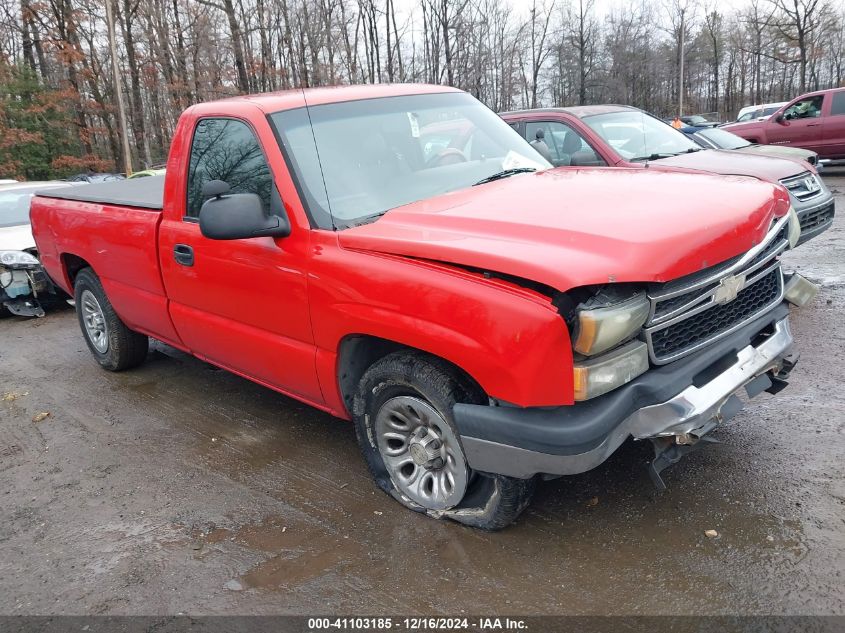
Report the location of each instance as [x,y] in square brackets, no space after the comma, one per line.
[145,193]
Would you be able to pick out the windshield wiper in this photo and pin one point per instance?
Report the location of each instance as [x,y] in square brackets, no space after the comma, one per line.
[366,219]
[653,157]
[505,173]
[658,156]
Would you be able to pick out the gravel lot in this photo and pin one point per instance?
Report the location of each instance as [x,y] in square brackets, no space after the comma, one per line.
[181,488]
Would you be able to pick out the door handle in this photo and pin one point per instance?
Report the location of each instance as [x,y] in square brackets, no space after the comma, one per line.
[183,254]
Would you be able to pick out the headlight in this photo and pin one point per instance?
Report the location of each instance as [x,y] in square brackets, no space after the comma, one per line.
[604,327]
[794,231]
[596,376]
[17,258]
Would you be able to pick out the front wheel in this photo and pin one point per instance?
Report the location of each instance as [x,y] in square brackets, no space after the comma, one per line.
[114,345]
[404,426]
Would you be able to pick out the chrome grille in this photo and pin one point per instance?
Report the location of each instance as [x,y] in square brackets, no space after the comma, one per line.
[688,334]
[689,313]
[804,186]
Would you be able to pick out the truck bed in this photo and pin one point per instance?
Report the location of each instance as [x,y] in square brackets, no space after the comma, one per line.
[113,228]
[142,193]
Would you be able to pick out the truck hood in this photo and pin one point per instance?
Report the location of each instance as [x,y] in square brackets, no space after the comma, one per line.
[731,163]
[747,127]
[573,227]
[779,151]
[16,238]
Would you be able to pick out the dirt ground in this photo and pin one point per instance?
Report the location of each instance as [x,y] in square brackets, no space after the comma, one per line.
[179,488]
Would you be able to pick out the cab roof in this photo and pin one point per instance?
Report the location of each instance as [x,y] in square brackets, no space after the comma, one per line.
[288,99]
[579,111]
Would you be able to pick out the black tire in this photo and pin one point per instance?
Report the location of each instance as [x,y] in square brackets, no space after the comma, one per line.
[491,502]
[126,348]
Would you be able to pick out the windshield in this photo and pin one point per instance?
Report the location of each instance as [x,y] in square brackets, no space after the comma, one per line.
[723,139]
[637,136]
[358,159]
[14,208]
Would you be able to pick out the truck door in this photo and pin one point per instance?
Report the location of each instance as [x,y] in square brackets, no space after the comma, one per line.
[800,126]
[566,146]
[833,135]
[241,304]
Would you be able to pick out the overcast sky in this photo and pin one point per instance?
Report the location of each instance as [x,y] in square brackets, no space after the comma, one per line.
[604,6]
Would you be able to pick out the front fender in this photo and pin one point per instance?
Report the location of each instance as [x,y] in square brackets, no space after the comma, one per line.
[510,340]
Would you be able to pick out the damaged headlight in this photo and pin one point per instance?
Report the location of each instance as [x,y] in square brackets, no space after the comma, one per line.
[13,259]
[607,320]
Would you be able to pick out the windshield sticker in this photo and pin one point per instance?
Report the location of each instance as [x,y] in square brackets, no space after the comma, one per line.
[515,160]
[415,124]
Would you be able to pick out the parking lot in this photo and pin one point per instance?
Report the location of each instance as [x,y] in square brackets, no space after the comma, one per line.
[178,487]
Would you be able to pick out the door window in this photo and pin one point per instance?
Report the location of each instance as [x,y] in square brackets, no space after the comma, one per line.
[226,149]
[566,146]
[838,105]
[808,108]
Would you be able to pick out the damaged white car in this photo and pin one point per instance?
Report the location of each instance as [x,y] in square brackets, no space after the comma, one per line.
[24,286]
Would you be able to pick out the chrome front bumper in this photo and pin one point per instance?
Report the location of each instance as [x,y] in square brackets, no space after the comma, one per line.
[695,407]
[681,419]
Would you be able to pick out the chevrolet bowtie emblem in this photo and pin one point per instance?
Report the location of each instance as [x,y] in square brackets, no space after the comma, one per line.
[729,288]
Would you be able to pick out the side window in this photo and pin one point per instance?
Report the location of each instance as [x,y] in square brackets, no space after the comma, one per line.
[226,149]
[838,105]
[808,108]
[566,146]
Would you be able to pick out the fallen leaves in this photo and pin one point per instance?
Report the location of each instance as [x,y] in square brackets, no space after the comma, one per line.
[11,396]
[40,417]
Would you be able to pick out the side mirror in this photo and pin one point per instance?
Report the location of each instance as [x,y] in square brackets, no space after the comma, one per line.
[781,118]
[214,189]
[238,216]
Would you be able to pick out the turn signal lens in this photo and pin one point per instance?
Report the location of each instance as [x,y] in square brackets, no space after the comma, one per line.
[799,291]
[794,230]
[597,376]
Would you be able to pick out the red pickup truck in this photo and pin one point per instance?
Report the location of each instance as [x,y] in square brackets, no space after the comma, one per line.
[813,121]
[483,319]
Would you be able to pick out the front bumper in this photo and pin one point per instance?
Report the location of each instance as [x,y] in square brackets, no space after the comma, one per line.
[682,400]
[816,217]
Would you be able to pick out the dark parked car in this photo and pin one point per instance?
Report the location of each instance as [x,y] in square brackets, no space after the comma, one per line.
[696,120]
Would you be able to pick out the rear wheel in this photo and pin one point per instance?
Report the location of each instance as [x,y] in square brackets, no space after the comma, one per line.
[114,345]
[404,426]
